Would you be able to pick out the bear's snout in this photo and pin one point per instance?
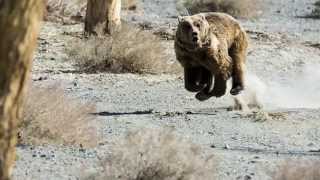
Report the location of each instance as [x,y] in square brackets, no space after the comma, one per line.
[195,37]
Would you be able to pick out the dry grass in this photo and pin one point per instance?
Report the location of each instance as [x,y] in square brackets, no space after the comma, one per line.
[297,170]
[153,154]
[237,8]
[49,117]
[129,50]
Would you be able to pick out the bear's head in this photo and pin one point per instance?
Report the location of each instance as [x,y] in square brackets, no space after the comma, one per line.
[193,30]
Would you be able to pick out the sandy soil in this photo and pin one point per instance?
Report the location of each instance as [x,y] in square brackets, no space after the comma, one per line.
[250,145]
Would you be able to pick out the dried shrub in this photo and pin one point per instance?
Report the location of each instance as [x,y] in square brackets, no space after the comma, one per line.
[237,8]
[297,170]
[129,50]
[153,154]
[49,117]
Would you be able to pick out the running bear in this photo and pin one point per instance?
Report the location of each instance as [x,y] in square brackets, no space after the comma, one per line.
[211,45]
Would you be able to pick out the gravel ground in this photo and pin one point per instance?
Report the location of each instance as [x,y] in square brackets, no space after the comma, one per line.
[250,145]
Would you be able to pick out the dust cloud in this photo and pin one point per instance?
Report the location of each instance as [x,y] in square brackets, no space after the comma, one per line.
[302,90]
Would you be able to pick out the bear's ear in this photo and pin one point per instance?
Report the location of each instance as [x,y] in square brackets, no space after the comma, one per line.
[180,19]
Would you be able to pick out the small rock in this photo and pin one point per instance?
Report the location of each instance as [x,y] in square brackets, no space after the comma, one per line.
[226,146]
[310,144]
[234,138]
[82,150]
[41,79]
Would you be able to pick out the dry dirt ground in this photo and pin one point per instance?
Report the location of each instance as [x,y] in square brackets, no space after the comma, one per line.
[249,145]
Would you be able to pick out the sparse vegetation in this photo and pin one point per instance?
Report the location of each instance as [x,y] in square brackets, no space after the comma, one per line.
[153,154]
[129,50]
[49,117]
[297,170]
[237,8]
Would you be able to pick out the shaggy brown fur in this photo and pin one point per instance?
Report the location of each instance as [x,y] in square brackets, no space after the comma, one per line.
[211,45]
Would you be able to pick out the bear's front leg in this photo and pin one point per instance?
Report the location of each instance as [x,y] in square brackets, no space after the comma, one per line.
[220,86]
[196,78]
[219,89]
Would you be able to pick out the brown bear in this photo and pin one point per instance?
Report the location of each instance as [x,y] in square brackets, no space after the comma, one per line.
[211,45]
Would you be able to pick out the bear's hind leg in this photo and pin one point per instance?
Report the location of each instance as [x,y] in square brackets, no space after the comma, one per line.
[238,54]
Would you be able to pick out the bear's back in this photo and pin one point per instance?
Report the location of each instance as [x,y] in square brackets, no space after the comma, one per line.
[223,25]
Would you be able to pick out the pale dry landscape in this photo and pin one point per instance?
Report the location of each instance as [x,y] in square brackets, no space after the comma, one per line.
[115,107]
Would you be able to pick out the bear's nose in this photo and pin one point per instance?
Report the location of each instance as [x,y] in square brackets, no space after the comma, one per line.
[195,37]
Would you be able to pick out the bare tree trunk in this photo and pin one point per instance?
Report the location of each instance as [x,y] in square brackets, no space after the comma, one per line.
[19,25]
[102,16]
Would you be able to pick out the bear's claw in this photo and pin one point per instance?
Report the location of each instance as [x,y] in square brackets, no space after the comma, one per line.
[236,90]
[201,96]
